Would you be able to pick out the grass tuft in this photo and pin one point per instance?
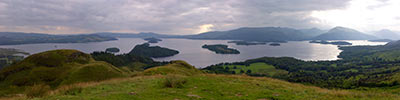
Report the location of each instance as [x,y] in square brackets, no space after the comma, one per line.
[174,81]
[40,90]
[73,91]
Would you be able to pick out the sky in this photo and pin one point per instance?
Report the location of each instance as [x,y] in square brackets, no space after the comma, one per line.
[193,16]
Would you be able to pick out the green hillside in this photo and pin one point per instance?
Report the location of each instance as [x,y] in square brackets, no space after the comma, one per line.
[53,69]
[170,83]
[71,75]
[176,67]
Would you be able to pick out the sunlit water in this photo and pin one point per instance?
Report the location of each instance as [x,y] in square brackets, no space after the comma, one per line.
[191,51]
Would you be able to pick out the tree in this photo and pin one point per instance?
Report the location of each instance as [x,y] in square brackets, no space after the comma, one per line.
[233,72]
[226,68]
[241,71]
[248,71]
[234,67]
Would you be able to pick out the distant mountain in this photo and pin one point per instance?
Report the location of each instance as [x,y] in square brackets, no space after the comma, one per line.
[136,35]
[265,34]
[388,34]
[342,33]
[312,32]
[381,40]
[13,38]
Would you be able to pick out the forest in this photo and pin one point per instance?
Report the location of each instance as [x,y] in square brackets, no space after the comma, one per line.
[361,66]
[152,51]
[221,49]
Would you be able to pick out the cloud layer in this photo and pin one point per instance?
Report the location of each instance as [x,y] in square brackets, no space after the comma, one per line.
[162,16]
[364,15]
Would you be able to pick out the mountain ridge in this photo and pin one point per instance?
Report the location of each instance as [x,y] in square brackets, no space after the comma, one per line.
[388,34]
[265,34]
[343,33]
[262,34]
[15,38]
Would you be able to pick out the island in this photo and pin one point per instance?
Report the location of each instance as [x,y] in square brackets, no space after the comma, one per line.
[275,44]
[333,43]
[152,51]
[221,49]
[112,50]
[9,56]
[152,40]
[381,40]
[247,43]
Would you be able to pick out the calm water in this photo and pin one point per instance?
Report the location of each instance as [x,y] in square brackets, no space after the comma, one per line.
[191,51]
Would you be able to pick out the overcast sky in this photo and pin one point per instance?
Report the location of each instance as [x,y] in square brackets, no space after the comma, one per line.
[193,16]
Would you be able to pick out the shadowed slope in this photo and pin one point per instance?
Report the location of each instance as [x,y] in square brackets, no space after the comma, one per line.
[55,68]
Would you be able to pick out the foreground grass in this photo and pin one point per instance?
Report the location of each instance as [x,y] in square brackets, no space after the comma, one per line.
[208,86]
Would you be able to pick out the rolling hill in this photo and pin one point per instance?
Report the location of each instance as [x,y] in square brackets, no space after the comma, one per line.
[53,69]
[181,81]
[74,75]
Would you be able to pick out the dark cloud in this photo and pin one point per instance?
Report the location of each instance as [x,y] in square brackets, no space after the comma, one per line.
[163,16]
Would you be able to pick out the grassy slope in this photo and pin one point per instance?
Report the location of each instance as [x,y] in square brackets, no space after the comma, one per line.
[209,86]
[150,86]
[54,68]
[177,67]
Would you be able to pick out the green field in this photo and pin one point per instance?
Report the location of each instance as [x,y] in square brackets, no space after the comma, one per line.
[255,68]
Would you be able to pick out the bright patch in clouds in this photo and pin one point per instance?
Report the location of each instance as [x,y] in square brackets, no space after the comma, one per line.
[364,15]
[206,28]
[193,16]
